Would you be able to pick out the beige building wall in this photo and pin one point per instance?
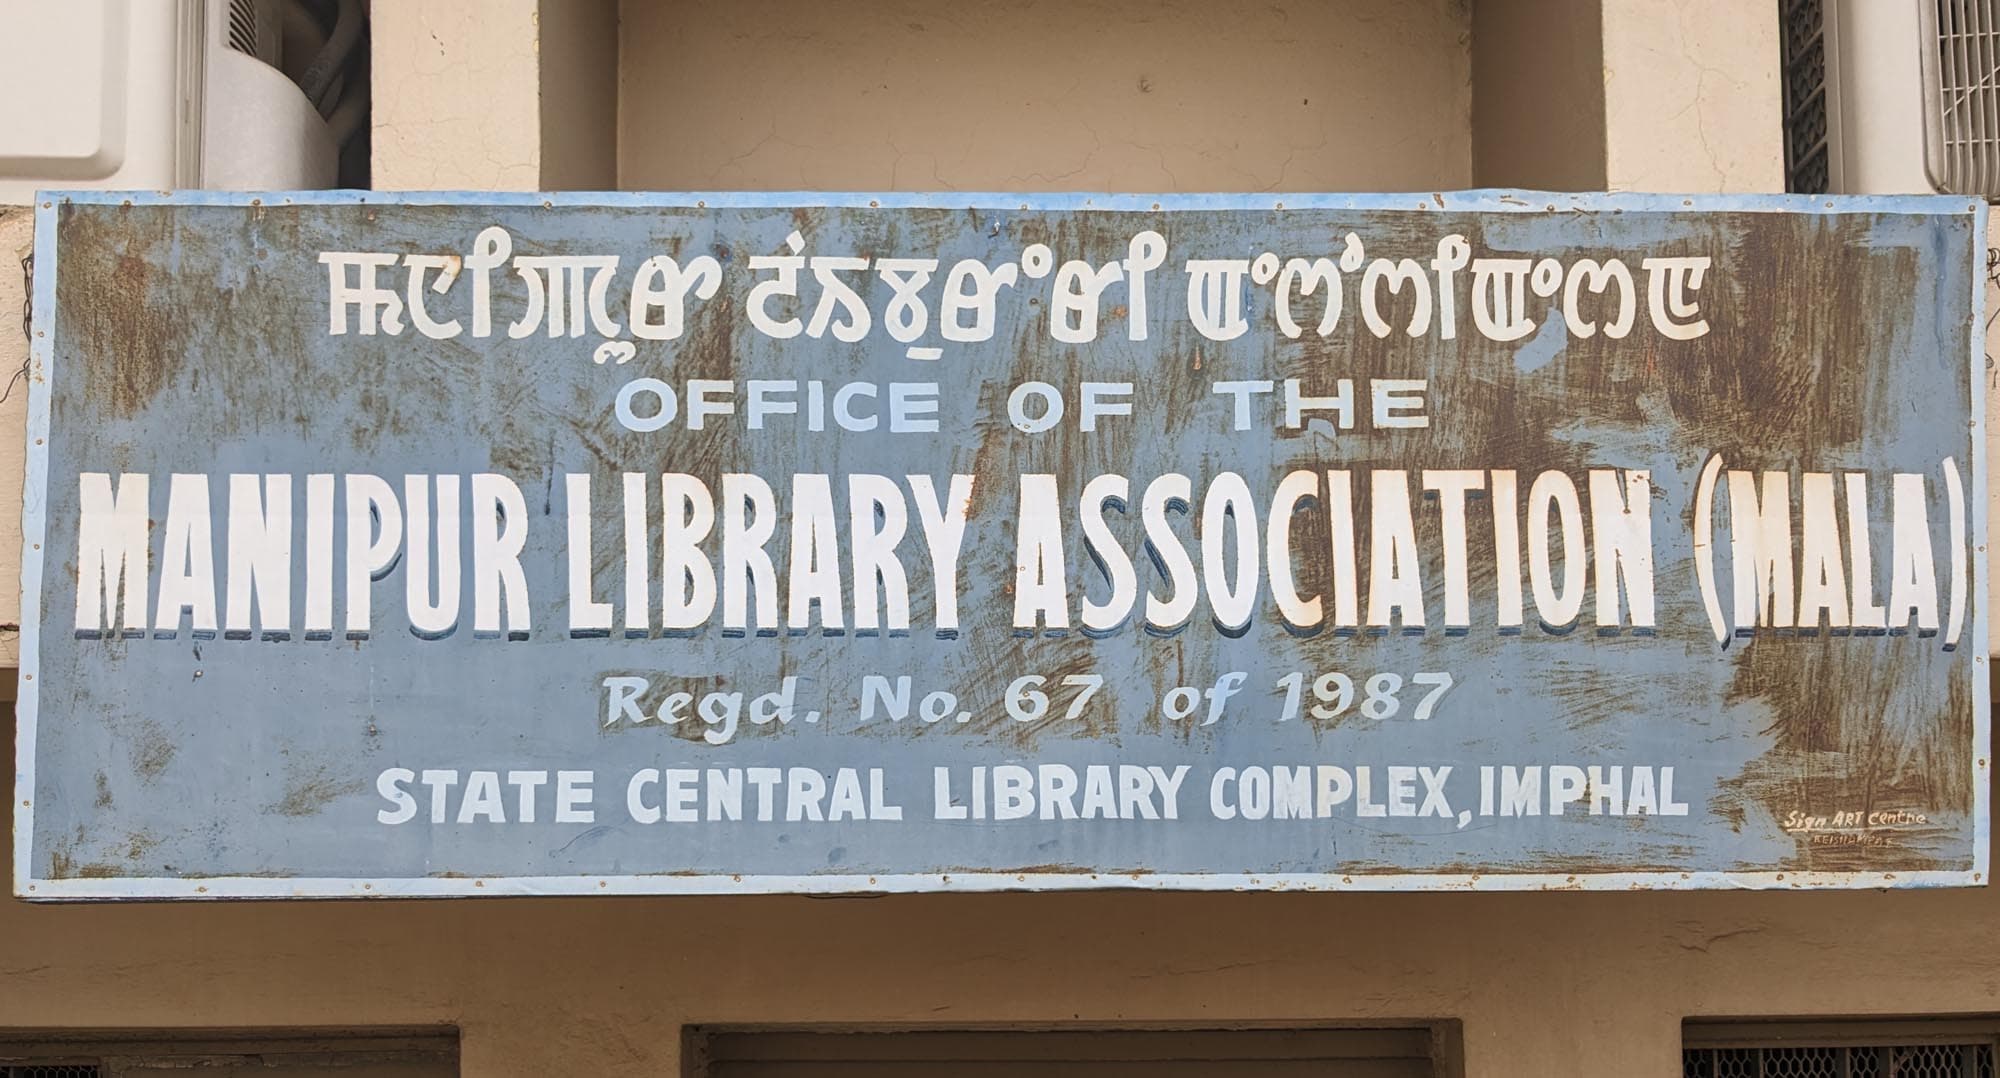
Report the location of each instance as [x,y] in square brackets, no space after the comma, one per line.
[1627,95]
[1521,69]
[1547,985]
[577,57]
[17,240]
[1029,96]
[455,95]
[1692,100]
[1046,95]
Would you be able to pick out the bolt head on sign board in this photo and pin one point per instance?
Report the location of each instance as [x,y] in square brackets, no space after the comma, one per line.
[490,544]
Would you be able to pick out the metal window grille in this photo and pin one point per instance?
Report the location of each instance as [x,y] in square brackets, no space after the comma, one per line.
[237,1054]
[1970,1060]
[1808,149]
[1962,96]
[1068,1053]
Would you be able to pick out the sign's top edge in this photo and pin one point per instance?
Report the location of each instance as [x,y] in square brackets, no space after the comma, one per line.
[1492,200]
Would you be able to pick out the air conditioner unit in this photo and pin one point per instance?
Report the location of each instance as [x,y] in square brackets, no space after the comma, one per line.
[1961,74]
[153,94]
[1854,96]
[1892,96]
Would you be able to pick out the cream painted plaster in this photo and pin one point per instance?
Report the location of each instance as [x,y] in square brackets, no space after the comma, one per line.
[17,230]
[1023,96]
[1691,96]
[1046,95]
[1538,96]
[1547,985]
[455,95]
[578,57]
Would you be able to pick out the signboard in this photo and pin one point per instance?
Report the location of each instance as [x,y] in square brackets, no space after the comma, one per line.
[481,544]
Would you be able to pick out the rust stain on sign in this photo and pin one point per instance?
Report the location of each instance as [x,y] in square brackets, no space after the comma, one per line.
[474,545]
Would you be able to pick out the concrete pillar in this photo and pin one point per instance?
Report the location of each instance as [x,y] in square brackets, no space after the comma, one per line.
[1627,95]
[462,86]
[1692,101]
[17,239]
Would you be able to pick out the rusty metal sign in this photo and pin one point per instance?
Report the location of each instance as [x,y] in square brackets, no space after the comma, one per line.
[488,544]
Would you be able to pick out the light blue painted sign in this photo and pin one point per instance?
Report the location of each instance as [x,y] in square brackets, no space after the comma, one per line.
[484,544]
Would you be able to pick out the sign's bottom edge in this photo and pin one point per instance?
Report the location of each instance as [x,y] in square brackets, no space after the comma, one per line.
[252,887]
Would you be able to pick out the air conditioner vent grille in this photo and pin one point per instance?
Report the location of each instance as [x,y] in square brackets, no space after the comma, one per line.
[242,32]
[1962,113]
